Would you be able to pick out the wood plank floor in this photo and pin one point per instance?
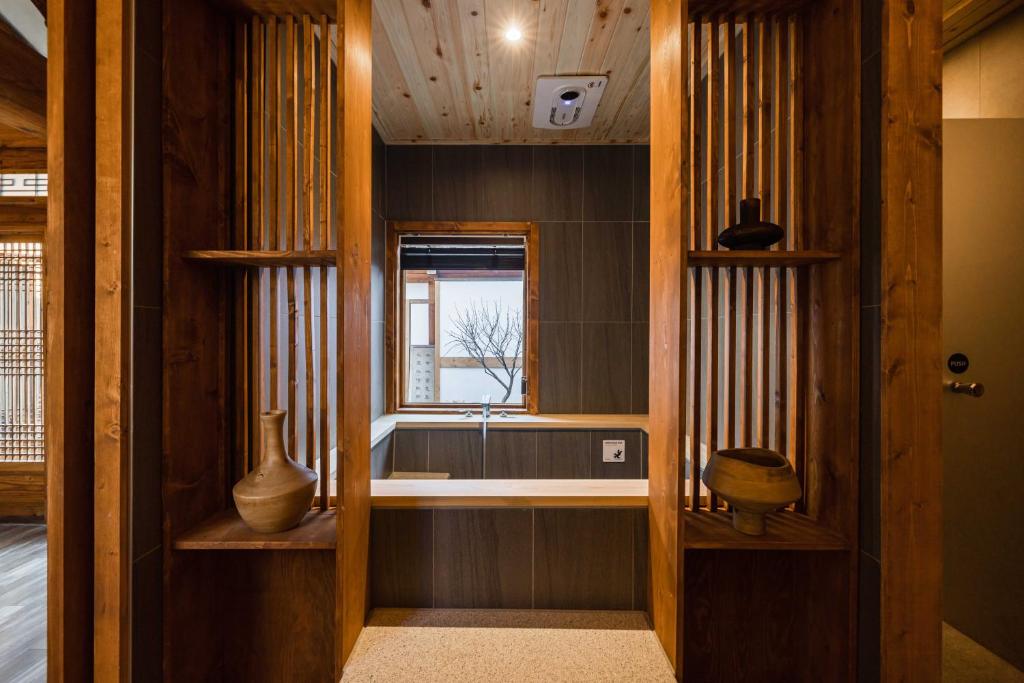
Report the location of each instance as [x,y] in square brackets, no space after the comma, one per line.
[22,603]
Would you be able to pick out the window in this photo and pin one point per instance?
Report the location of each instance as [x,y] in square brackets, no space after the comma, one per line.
[21,351]
[463,316]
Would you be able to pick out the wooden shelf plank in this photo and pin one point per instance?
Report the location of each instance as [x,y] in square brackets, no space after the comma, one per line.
[707,530]
[508,493]
[227,531]
[263,259]
[773,259]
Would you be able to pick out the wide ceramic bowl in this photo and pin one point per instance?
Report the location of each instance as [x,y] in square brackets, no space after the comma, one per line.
[754,481]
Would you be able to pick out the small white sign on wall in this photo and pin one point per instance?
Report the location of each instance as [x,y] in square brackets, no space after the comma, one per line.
[614,450]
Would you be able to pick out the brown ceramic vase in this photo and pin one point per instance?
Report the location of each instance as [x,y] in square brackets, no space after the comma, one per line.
[755,481]
[279,491]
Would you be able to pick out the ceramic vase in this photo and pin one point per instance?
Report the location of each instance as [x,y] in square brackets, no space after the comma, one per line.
[754,481]
[279,491]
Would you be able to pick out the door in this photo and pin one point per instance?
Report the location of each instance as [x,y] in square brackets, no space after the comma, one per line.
[983,436]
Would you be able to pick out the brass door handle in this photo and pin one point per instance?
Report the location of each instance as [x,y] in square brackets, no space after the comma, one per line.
[975,389]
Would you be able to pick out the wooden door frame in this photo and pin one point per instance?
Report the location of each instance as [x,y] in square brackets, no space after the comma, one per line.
[911,343]
[69,286]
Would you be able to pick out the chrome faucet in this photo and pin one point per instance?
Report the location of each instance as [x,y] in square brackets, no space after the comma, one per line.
[485,412]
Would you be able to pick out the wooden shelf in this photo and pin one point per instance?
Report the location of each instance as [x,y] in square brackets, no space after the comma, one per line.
[263,259]
[785,531]
[774,259]
[227,531]
[508,493]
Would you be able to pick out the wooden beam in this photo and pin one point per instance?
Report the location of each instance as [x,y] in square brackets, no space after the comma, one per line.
[112,648]
[68,291]
[354,221]
[911,345]
[968,18]
[22,159]
[670,230]
[22,84]
[22,215]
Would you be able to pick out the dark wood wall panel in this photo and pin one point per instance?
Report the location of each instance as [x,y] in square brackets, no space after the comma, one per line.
[591,207]
[762,615]
[554,558]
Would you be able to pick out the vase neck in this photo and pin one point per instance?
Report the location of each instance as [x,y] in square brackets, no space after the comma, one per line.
[272,428]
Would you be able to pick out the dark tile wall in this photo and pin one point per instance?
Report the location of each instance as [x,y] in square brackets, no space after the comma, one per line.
[511,454]
[147,348]
[377,397]
[544,558]
[591,204]
[869,573]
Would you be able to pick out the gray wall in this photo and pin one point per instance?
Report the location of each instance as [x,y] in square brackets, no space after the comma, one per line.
[591,205]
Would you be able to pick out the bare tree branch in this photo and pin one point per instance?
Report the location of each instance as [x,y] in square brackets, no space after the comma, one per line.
[493,331]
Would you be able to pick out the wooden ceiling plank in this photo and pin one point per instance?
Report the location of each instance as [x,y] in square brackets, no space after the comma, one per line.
[624,64]
[607,17]
[578,18]
[395,114]
[476,65]
[403,43]
[22,84]
[968,18]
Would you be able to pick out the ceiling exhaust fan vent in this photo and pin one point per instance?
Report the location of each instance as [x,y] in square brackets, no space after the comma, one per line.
[566,102]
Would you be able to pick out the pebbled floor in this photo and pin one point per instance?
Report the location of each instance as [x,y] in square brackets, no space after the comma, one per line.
[507,645]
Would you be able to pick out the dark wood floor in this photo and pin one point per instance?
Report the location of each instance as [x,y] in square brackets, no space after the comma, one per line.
[22,603]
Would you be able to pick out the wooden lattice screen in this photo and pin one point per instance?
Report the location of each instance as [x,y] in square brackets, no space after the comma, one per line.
[21,351]
[745,335]
[284,160]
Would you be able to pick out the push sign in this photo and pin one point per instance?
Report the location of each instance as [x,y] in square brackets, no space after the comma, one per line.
[958,363]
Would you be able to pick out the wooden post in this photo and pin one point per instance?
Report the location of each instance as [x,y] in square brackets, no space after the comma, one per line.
[354,221]
[670,166]
[68,285]
[112,643]
[911,404]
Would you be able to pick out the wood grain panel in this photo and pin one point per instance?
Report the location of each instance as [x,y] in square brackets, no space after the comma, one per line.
[607,272]
[670,229]
[23,76]
[563,455]
[22,489]
[561,295]
[402,558]
[353,213]
[112,446]
[583,559]
[604,368]
[482,558]
[459,453]
[510,455]
[911,408]
[69,288]
[465,83]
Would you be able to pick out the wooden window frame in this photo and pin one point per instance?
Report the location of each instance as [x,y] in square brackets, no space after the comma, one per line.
[393,313]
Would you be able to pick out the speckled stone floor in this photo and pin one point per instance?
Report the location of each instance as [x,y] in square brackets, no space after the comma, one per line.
[454,646]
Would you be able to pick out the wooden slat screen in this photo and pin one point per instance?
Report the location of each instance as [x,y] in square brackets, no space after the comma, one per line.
[21,351]
[284,161]
[745,335]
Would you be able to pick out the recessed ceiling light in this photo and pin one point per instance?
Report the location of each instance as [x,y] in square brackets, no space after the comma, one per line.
[513,34]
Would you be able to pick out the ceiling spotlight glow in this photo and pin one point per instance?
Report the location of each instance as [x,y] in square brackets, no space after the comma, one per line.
[513,34]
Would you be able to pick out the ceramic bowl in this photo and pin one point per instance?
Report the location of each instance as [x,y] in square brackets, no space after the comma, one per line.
[754,481]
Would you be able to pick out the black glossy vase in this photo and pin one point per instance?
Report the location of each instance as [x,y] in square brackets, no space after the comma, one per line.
[751,232]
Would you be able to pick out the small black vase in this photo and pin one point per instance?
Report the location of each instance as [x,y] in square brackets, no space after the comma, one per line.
[751,232]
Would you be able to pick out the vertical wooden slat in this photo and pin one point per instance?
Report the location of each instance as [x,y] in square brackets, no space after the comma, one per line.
[749,185]
[780,76]
[712,167]
[291,197]
[243,309]
[798,292]
[273,173]
[692,274]
[697,280]
[764,192]
[731,293]
[309,218]
[324,90]
[258,227]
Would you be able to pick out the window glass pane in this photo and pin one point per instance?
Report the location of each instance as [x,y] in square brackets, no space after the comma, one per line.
[417,290]
[419,324]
